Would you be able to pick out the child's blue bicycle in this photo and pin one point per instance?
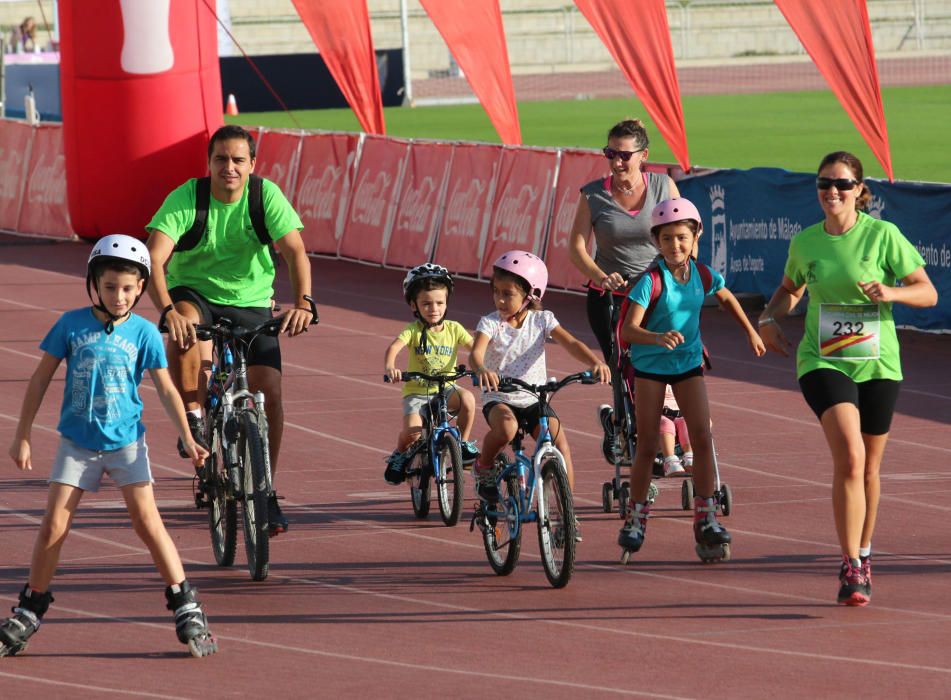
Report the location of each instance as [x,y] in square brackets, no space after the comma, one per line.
[437,454]
[532,489]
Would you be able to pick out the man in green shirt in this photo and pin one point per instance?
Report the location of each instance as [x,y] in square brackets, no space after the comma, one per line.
[228,272]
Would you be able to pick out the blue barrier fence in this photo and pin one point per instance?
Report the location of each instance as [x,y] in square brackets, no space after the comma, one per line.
[749,217]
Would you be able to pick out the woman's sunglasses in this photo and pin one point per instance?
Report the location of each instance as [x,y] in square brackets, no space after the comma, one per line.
[611,154]
[843,184]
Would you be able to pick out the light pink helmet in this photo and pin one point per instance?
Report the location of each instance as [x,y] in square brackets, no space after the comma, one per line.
[529,267]
[671,210]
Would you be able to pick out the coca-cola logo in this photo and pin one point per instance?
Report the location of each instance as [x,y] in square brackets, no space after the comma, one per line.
[514,215]
[10,173]
[369,201]
[316,195]
[417,206]
[564,218]
[464,212]
[47,184]
[276,173]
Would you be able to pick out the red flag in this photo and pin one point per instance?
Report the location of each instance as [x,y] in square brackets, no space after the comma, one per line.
[638,38]
[839,40]
[341,32]
[473,31]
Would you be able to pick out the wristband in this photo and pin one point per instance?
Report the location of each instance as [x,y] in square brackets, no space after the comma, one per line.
[765,321]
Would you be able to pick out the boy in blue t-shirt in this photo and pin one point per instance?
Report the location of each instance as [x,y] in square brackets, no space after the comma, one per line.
[107,349]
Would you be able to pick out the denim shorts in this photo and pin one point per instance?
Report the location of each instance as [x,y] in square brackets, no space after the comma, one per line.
[82,468]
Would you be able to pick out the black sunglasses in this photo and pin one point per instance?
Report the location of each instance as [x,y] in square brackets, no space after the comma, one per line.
[611,153]
[843,184]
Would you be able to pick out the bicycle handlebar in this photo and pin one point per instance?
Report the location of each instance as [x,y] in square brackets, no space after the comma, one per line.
[226,327]
[508,384]
[459,373]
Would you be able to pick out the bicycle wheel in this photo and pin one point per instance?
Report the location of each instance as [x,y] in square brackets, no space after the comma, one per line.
[501,547]
[420,484]
[256,491]
[222,508]
[449,483]
[556,531]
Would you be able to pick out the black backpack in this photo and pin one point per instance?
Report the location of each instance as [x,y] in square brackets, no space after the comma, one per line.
[192,237]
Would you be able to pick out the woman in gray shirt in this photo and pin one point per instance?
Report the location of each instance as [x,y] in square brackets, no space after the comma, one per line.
[618,209]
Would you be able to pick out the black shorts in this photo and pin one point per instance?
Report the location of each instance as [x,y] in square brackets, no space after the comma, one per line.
[264,350]
[875,399]
[527,416]
[669,378]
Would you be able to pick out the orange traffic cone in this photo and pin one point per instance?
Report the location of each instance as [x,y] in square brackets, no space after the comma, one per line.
[232,106]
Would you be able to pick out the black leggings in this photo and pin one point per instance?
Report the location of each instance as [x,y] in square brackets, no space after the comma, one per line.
[599,317]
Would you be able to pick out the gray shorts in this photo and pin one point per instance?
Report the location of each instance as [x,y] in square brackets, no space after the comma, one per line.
[82,468]
[414,403]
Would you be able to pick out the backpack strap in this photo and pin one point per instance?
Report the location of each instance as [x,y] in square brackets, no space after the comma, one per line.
[657,288]
[192,236]
[706,277]
[256,208]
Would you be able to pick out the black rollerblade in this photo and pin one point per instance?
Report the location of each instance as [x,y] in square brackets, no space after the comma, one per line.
[713,540]
[191,625]
[17,629]
[631,537]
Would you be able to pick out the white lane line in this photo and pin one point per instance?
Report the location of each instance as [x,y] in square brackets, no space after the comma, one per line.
[84,686]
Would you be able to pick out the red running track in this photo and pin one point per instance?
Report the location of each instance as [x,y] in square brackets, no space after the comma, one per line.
[362,598]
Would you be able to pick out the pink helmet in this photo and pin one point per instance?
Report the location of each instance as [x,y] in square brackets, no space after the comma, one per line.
[671,210]
[529,267]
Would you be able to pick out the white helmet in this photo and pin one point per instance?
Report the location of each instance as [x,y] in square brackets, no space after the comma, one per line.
[116,247]
[422,272]
[121,247]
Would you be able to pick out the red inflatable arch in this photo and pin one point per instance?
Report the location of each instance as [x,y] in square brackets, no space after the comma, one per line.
[141,94]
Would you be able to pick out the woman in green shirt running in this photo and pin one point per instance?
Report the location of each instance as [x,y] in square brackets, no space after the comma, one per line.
[848,361]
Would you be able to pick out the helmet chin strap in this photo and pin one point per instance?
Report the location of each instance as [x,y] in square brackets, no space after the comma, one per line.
[110,324]
[528,300]
[423,340]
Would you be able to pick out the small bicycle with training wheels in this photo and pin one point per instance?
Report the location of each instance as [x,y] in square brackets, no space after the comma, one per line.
[238,468]
[437,454]
[532,489]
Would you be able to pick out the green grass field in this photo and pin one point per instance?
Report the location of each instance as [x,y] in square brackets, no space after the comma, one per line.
[785,130]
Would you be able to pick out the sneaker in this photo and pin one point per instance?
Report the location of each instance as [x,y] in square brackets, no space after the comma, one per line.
[469,451]
[609,441]
[196,426]
[276,522]
[687,461]
[486,486]
[674,467]
[855,589]
[867,568]
[395,468]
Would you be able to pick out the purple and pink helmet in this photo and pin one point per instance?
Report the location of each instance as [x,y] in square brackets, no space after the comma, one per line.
[672,210]
[529,267]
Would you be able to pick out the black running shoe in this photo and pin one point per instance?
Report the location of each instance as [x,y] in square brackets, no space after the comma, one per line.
[276,522]
[855,588]
[196,425]
[395,472]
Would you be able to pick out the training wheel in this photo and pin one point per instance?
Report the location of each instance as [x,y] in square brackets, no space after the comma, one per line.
[625,556]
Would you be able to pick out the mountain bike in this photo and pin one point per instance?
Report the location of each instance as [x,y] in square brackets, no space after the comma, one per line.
[238,468]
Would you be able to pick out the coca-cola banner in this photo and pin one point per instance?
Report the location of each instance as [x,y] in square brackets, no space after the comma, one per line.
[277,156]
[577,168]
[421,197]
[44,207]
[521,204]
[323,188]
[466,214]
[375,193]
[15,141]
